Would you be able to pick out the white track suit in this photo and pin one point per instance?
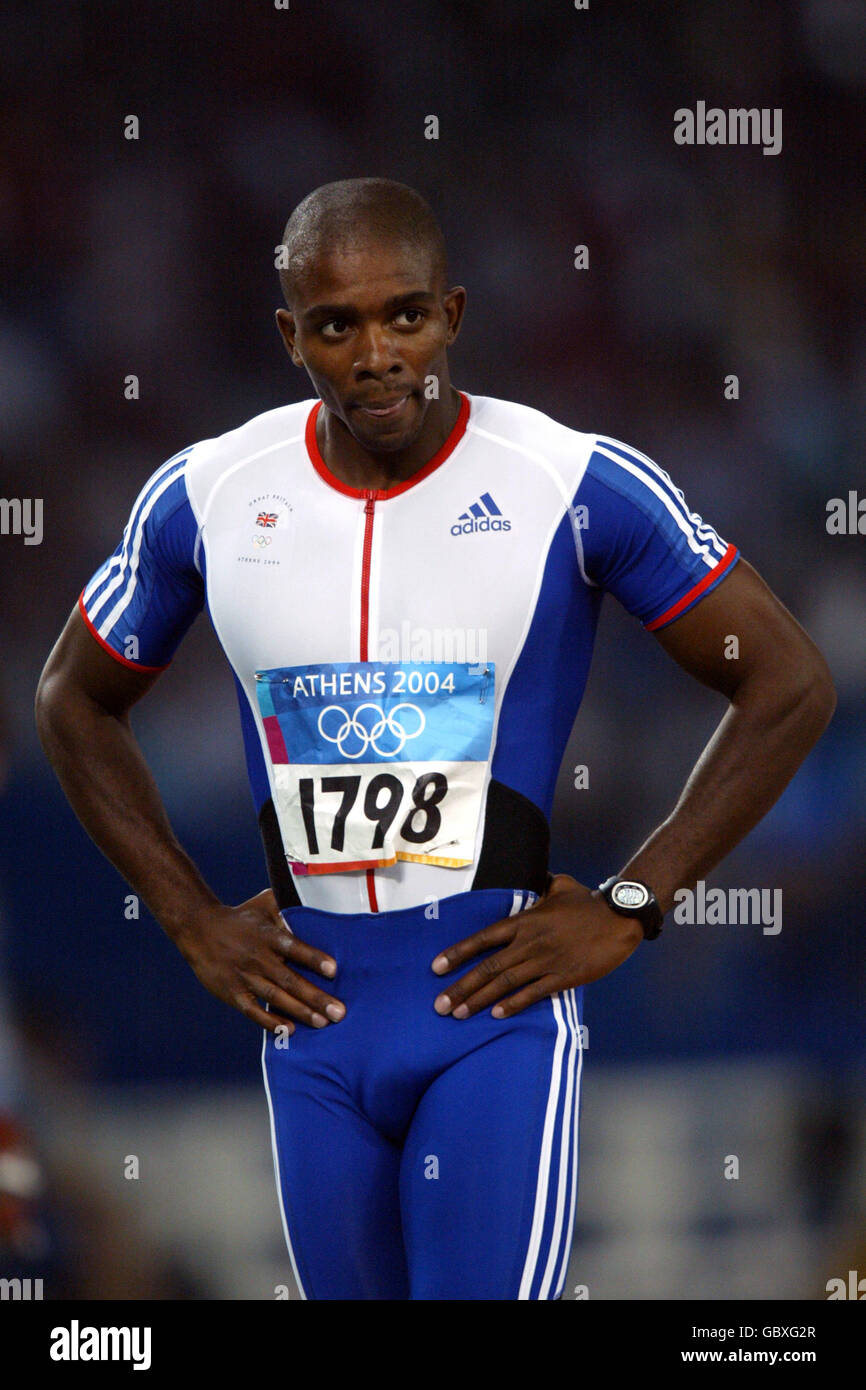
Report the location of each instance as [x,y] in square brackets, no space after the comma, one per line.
[409,663]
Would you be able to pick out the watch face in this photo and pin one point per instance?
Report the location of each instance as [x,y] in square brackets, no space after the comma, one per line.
[630,895]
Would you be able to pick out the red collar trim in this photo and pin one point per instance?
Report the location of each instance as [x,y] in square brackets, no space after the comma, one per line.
[457,432]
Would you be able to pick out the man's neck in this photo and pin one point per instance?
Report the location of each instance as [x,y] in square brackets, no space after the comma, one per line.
[360,468]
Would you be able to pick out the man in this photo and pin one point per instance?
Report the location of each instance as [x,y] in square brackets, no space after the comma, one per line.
[425,1132]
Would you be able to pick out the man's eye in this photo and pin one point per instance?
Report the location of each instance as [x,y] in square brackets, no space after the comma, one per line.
[334,327]
[413,315]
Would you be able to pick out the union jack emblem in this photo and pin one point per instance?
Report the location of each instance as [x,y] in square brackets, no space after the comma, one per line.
[267,518]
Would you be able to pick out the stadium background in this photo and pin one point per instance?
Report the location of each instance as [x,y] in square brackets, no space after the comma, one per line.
[155,257]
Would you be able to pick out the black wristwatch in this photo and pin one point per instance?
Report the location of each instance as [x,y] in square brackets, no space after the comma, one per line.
[631,898]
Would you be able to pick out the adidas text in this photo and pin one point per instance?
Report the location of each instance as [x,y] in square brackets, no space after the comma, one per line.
[486,523]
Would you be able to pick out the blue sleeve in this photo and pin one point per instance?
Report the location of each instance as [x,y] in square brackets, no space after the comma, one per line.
[140,603]
[640,541]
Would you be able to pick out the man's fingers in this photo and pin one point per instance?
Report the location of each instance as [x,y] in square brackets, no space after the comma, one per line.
[512,977]
[284,942]
[540,989]
[251,1009]
[559,883]
[486,973]
[497,934]
[295,996]
[290,947]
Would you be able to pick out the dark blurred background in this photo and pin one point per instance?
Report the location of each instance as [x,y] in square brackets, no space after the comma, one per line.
[155,257]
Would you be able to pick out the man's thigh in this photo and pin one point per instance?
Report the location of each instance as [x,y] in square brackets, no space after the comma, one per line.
[488,1181]
[338,1182]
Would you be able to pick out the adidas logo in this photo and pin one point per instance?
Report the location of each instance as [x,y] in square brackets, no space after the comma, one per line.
[483,515]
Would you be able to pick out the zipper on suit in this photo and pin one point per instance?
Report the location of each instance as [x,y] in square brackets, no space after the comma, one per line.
[366,561]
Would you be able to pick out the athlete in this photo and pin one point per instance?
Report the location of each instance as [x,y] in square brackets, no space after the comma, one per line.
[406,580]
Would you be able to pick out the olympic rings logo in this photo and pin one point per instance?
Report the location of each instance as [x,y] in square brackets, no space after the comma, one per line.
[351,728]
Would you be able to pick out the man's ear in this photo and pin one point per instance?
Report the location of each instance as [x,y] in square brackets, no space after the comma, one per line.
[455,307]
[287,331]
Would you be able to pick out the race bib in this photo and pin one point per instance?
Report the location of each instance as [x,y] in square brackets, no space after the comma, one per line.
[378,761]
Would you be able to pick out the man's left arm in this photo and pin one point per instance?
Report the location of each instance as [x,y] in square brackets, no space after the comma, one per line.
[781,700]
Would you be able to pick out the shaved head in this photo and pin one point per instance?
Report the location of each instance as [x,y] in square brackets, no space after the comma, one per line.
[338,215]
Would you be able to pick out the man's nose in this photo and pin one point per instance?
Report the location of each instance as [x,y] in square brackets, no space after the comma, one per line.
[376,353]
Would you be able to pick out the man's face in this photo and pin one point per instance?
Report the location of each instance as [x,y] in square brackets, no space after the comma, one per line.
[370,323]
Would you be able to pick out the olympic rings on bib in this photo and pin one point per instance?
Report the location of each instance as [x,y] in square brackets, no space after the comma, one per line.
[370,738]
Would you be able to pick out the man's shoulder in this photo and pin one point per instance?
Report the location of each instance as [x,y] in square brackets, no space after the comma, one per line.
[272,429]
[618,467]
[528,430]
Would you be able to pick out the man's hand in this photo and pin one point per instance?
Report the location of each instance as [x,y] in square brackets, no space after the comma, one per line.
[240,955]
[569,937]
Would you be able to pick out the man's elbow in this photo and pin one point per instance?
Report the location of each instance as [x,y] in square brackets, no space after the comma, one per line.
[50,705]
[794,686]
[808,694]
[820,692]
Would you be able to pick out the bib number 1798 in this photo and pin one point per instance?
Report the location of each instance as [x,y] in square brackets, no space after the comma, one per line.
[384,798]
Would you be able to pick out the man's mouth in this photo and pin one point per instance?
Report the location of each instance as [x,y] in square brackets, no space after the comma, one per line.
[381,410]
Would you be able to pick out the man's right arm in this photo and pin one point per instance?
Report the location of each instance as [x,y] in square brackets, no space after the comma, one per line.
[238,953]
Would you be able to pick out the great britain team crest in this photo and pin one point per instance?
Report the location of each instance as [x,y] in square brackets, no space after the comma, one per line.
[269,515]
